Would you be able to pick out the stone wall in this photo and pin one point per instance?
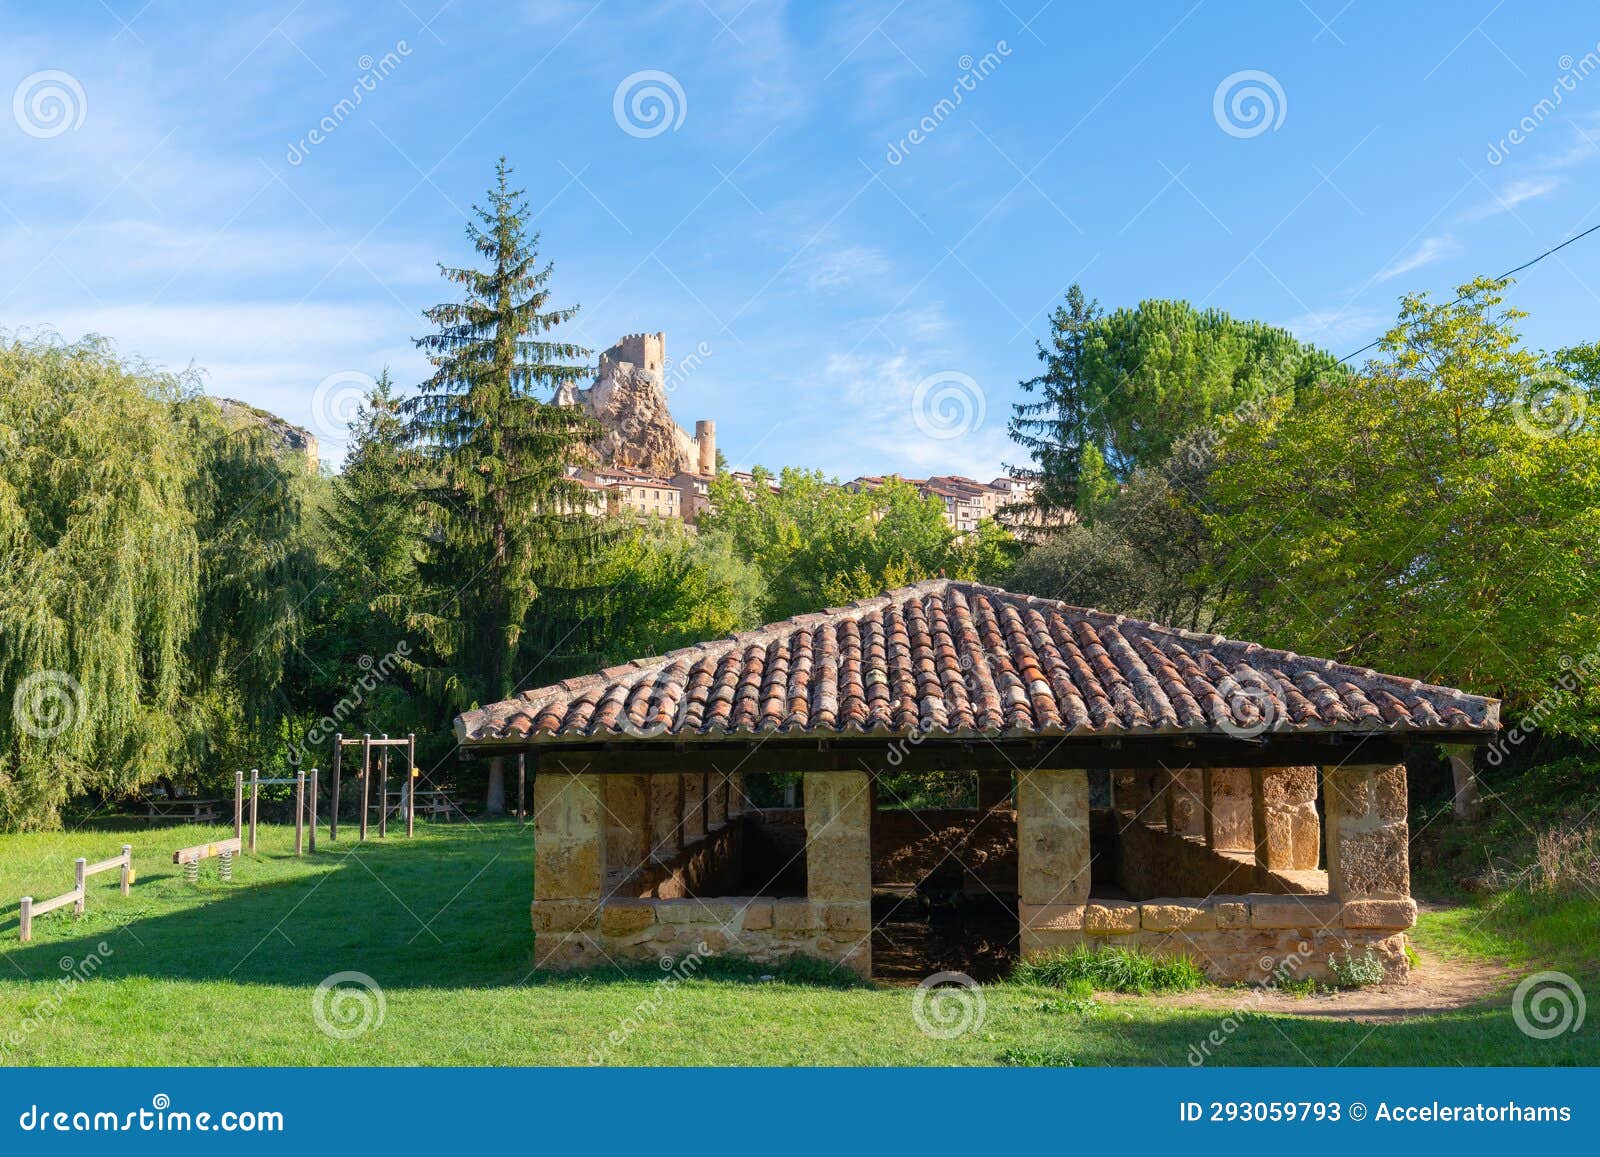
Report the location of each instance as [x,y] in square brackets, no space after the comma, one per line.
[1236,939]
[765,929]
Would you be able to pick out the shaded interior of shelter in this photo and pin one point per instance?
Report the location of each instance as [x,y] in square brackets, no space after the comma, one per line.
[944,866]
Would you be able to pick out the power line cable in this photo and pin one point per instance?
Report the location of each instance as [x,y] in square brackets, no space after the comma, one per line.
[1502,277]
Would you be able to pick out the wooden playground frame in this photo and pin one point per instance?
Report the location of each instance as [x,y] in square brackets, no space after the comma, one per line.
[82,869]
[383,743]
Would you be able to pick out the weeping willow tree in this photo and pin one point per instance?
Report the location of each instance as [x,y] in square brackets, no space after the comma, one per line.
[99,576]
[509,557]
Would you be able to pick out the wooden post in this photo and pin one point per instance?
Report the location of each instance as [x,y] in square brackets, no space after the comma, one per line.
[366,781]
[25,919]
[255,793]
[411,785]
[238,804]
[383,789]
[522,786]
[333,802]
[127,867]
[299,812]
[313,811]
[78,880]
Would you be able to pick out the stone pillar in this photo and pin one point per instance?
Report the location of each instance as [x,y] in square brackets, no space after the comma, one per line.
[838,809]
[1232,822]
[716,800]
[569,868]
[1283,806]
[627,824]
[994,789]
[1188,803]
[1052,857]
[666,816]
[1368,835]
[694,808]
[738,802]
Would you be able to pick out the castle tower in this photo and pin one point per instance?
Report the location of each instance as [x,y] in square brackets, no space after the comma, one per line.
[705,440]
[647,351]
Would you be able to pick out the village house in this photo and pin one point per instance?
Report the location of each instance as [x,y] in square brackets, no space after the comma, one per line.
[1134,784]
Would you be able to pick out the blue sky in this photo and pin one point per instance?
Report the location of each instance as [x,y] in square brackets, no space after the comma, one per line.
[780,223]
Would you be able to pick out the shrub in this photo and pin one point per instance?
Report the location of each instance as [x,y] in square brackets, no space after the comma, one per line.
[1568,859]
[1111,970]
[1043,1056]
[1352,971]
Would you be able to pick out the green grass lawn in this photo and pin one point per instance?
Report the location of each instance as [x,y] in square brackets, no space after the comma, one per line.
[225,974]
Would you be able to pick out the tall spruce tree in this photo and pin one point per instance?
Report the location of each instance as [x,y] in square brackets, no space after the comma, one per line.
[508,531]
[1053,428]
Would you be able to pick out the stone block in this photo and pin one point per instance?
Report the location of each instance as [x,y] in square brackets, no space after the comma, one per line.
[1294,911]
[1389,789]
[694,807]
[625,917]
[1373,863]
[666,816]
[1051,917]
[1288,786]
[838,815]
[848,917]
[758,915]
[568,840]
[565,915]
[1175,915]
[791,914]
[627,821]
[1044,941]
[1379,913]
[685,911]
[1231,913]
[1111,917]
[1347,793]
[1053,836]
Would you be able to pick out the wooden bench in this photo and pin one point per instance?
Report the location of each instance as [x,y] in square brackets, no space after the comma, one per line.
[184,809]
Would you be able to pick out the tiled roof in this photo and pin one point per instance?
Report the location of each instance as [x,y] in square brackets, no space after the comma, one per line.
[956,659]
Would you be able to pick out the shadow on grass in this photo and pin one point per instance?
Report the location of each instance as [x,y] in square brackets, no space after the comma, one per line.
[447,910]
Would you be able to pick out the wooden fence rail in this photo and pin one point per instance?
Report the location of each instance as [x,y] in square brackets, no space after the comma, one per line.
[82,869]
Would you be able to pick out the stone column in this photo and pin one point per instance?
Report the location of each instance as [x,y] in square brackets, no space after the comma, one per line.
[1052,857]
[666,816]
[1232,825]
[1188,803]
[738,802]
[627,824]
[1283,807]
[569,868]
[694,808]
[716,800]
[838,809]
[1367,832]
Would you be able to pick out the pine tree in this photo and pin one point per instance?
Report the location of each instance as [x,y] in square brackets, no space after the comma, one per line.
[507,536]
[1053,429]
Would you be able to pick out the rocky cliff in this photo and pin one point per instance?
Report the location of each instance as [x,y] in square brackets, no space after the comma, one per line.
[629,399]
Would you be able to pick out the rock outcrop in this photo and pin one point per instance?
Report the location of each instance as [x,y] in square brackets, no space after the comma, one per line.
[285,437]
[629,400]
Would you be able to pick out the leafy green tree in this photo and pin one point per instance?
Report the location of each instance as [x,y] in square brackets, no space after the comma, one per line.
[1437,513]
[671,588]
[100,577]
[507,526]
[1054,426]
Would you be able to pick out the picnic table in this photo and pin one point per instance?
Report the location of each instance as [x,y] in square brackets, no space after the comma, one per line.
[436,803]
[185,809]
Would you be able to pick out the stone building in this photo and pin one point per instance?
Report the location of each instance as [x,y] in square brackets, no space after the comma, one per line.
[1135,784]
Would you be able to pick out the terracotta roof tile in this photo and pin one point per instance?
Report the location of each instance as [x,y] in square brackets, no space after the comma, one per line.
[949,658]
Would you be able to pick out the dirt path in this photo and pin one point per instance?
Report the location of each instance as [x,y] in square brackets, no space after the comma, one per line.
[1436,985]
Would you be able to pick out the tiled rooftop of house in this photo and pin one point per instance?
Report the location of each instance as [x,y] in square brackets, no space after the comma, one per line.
[954,659]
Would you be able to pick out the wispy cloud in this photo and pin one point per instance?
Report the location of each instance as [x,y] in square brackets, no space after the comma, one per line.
[1430,250]
[1516,193]
[1336,326]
